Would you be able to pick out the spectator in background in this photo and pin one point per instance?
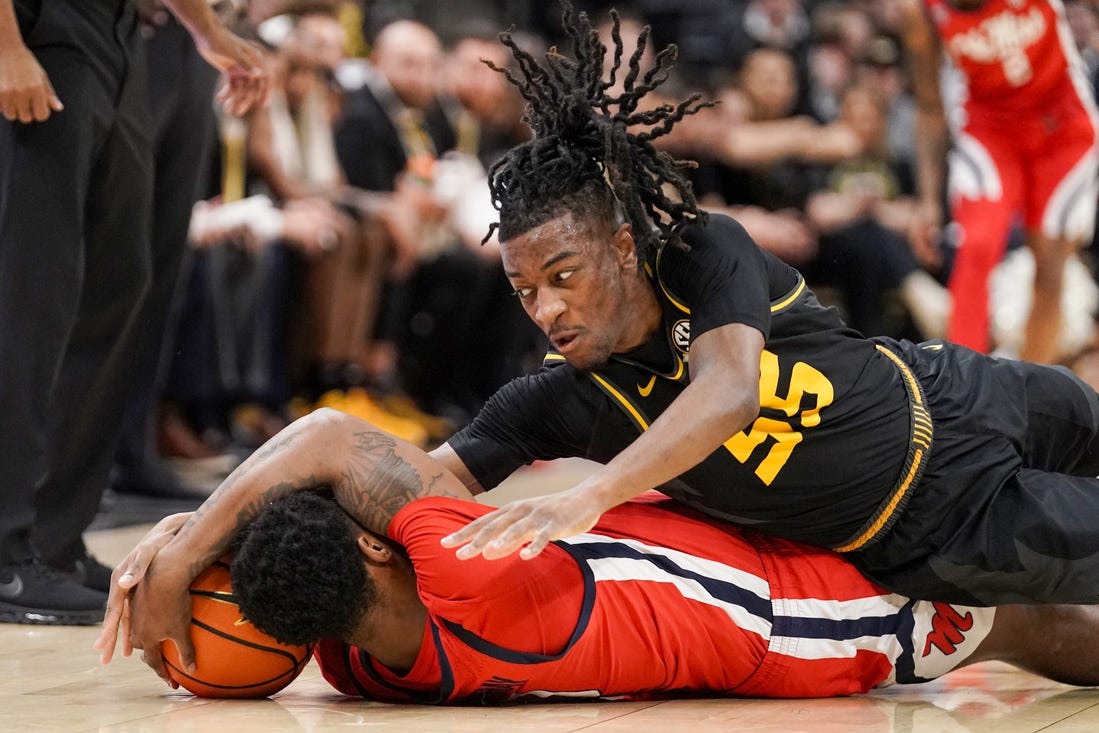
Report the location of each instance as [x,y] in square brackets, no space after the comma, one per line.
[487,113]
[782,163]
[486,110]
[391,129]
[390,139]
[784,25]
[292,153]
[841,33]
[862,213]
[880,67]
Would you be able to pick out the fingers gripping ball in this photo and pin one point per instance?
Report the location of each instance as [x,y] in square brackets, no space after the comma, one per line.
[233,658]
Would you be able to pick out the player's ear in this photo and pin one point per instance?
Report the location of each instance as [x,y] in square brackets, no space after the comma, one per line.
[374,550]
[625,248]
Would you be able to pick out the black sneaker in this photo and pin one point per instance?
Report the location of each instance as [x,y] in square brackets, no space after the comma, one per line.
[87,571]
[31,592]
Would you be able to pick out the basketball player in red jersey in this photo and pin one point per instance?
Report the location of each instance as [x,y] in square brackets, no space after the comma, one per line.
[656,599]
[1023,124]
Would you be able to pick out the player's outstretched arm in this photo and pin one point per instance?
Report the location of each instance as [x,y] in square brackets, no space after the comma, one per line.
[924,51]
[371,473]
[721,400]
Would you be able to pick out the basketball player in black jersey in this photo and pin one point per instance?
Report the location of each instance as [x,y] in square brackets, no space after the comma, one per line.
[686,358]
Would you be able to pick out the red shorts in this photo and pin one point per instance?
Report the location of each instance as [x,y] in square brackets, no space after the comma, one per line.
[814,592]
[1039,169]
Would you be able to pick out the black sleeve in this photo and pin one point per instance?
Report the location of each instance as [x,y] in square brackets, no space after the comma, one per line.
[553,413]
[725,277]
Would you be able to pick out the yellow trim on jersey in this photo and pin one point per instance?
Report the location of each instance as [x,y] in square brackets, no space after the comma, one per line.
[919,448]
[784,302]
[610,389]
[552,357]
[678,372]
[671,298]
[789,299]
[660,281]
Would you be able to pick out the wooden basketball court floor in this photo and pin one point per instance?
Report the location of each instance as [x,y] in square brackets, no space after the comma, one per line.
[51,680]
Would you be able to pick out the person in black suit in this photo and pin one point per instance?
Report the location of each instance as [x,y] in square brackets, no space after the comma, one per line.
[75,204]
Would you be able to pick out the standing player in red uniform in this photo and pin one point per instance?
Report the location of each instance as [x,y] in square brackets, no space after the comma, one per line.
[1024,148]
[656,599]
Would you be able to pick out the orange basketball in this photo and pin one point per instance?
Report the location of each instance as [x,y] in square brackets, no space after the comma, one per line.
[233,657]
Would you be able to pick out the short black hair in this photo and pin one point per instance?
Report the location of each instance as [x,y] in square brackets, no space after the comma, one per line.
[297,572]
[584,158]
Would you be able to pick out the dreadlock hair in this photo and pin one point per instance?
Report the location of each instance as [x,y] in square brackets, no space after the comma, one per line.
[584,159]
[297,572]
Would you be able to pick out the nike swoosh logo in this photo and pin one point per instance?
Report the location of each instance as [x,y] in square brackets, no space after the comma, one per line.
[12,588]
[644,391]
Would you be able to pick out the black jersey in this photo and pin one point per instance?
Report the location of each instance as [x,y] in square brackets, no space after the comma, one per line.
[837,428]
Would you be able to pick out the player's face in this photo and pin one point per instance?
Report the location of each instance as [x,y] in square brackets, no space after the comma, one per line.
[571,279]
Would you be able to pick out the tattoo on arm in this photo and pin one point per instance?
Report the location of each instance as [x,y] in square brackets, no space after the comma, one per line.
[445,492]
[278,443]
[377,482]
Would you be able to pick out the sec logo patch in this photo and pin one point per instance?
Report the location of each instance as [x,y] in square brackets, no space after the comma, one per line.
[681,335]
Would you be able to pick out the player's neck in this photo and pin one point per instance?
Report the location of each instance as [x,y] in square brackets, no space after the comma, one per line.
[393,631]
[645,316]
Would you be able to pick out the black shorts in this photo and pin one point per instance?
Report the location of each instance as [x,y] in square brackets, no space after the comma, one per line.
[1007,510]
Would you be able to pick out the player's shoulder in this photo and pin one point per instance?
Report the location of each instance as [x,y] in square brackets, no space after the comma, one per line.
[433,515]
[718,231]
[715,252]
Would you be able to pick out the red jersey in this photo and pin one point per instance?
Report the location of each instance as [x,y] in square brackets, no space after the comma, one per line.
[1014,54]
[654,600]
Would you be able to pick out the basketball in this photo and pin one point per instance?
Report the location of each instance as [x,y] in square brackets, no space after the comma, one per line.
[233,658]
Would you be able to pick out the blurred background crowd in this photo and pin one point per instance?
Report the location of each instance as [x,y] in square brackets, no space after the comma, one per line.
[327,250]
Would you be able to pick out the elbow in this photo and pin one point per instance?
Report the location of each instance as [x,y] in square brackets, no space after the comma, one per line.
[327,421]
[323,416]
[746,409]
[739,408]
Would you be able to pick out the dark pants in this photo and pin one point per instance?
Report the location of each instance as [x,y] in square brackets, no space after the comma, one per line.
[181,86]
[233,339]
[463,336]
[1007,510]
[74,270]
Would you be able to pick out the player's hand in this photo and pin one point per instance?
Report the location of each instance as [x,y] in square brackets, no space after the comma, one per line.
[526,526]
[26,94]
[127,574]
[241,64]
[160,610]
[924,232]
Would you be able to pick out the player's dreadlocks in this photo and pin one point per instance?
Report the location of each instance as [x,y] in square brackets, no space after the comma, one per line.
[584,159]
